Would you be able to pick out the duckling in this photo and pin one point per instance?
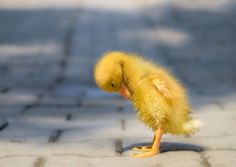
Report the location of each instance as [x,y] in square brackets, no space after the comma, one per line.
[160,100]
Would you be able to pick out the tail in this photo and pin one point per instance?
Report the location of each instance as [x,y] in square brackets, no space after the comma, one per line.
[192,126]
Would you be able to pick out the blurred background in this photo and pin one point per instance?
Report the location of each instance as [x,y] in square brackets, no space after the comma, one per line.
[48,49]
[49,45]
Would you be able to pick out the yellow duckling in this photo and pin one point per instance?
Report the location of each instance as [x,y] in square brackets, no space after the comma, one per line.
[160,99]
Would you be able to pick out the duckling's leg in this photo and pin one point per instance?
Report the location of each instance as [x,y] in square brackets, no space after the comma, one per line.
[155,146]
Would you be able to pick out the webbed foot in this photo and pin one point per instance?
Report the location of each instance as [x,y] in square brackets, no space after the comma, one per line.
[149,153]
[142,148]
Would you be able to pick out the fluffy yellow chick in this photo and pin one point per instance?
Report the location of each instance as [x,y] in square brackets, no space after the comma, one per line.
[159,98]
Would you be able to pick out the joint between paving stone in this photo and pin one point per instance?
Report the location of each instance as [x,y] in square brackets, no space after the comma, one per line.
[82,155]
[55,137]
[28,107]
[118,146]
[67,41]
[33,105]
[220,105]
[123,124]
[67,47]
[222,149]
[40,162]
[204,160]
[120,108]
[3,126]
[4,90]
[68,116]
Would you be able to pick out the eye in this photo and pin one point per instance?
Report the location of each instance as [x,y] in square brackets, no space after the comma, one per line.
[112,84]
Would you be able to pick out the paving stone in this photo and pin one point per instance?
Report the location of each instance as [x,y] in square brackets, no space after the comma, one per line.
[29,91]
[45,112]
[70,157]
[165,159]
[21,161]
[17,99]
[10,81]
[214,142]
[228,102]
[66,161]
[97,113]
[91,148]
[83,130]
[202,102]
[25,132]
[76,73]
[224,158]
[10,113]
[69,90]
[48,118]
[216,123]
[86,148]
[49,100]
[109,101]
[12,149]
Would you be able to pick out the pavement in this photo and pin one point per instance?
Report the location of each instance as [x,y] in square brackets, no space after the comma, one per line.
[52,113]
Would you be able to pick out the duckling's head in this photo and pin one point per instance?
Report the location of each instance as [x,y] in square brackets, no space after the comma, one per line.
[108,72]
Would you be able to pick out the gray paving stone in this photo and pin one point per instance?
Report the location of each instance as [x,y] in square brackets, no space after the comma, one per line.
[76,72]
[86,148]
[66,161]
[29,91]
[69,90]
[10,81]
[216,123]
[17,149]
[115,102]
[96,113]
[17,99]
[25,132]
[10,113]
[49,112]
[84,130]
[228,103]
[49,100]
[52,118]
[213,142]
[21,161]
[166,159]
[215,158]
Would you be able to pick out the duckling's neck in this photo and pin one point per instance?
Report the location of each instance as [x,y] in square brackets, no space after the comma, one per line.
[132,72]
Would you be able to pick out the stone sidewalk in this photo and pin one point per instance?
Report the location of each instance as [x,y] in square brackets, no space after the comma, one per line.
[51,112]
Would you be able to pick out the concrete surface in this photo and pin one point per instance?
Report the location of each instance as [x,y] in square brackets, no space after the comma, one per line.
[51,112]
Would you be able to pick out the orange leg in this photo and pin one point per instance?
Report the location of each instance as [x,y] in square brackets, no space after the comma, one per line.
[155,149]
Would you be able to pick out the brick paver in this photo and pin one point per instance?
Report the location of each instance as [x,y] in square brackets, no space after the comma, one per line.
[51,112]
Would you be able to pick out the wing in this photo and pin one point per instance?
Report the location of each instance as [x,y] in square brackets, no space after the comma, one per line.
[161,83]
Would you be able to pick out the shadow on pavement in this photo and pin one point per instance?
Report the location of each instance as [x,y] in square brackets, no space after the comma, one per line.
[170,146]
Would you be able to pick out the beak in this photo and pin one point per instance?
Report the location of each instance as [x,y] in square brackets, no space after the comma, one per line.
[124,91]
